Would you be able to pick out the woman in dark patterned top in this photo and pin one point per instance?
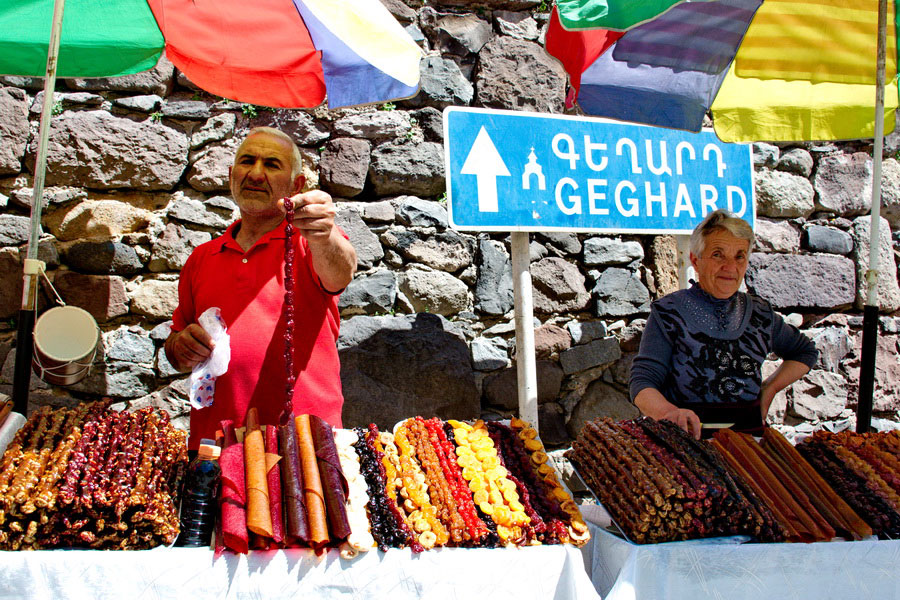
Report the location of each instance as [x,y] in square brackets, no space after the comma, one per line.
[702,350]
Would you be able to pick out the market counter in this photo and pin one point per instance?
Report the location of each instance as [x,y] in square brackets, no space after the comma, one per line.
[542,572]
[725,568]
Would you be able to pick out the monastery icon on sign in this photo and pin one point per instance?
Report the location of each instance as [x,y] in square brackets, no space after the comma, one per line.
[533,169]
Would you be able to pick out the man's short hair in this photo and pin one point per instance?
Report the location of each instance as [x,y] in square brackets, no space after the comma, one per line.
[720,220]
[296,159]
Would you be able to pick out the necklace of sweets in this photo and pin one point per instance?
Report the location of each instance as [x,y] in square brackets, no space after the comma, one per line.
[289,309]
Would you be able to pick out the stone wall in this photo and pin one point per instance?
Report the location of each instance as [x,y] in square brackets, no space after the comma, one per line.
[137,178]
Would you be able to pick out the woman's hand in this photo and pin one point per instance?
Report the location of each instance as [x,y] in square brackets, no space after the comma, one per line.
[653,404]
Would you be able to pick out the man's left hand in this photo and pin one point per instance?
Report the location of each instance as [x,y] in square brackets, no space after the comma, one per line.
[313,216]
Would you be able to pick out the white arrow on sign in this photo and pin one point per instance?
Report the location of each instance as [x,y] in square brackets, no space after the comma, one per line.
[486,164]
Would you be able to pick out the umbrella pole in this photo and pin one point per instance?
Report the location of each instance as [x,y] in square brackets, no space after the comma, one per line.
[24,339]
[870,312]
[526,368]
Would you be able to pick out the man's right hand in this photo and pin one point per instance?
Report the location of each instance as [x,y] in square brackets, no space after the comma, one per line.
[189,347]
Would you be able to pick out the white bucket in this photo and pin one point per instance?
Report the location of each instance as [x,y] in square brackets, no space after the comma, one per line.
[65,344]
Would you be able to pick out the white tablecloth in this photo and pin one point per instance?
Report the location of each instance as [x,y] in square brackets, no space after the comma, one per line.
[543,572]
[724,569]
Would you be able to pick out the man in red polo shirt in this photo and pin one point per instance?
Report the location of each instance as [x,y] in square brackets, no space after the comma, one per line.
[242,273]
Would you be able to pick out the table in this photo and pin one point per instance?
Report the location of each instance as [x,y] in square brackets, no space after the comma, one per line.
[725,568]
[542,572]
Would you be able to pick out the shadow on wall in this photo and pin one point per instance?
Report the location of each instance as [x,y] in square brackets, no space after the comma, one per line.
[396,367]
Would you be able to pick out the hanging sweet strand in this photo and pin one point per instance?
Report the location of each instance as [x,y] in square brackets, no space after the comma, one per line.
[289,308]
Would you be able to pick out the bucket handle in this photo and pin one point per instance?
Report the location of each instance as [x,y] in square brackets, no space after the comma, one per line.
[34,267]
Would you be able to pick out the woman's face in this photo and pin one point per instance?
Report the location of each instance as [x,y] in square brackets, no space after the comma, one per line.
[720,269]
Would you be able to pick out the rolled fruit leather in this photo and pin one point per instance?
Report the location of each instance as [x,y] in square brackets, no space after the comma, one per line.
[273,482]
[334,483]
[259,515]
[233,499]
[296,522]
[312,485]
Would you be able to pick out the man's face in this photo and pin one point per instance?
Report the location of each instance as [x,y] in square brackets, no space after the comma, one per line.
[720,269]
[261,175]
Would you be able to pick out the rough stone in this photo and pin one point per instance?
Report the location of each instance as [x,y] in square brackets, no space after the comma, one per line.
[103,258]
[843,184]
[821,280]
[583,332]
[186,109]
[51,195]
[218,212]
[172,249]
[11,276]
[431,122]
[552,424]
[833,344]
[558,286]
[14,129]
[369,293]
[890,191]
[434,291]
[797,161]
[489,353]
[521,26]
[888,289]
[298,124]
[98,219]
[819,238]
[818,396]
[209,166]
[436,378]
[14,230]
[519,75]
[446,251]
[457,34]
[377,126]
[601,400]
[103,151]
[416,212]
[783,195]
[102,296]
[215,129]
[776,235]
[550,339]
[567,242]
[117,380]
[494,284]
[441,84]
[416,169]
[611,251]
[155,299]
[378,212]
[663,258]
[159,80]
[593,354]
[344,166]
[368,248]
[144,103]
[765,155]
[620,292]
[128,345]
[886,397]
[501,388]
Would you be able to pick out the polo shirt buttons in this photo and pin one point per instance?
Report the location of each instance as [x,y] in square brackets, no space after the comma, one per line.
[244,260]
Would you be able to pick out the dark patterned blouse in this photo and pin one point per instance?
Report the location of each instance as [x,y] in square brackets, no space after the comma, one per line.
[706,353]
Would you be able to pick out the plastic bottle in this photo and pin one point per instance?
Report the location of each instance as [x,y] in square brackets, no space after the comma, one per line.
[199,504]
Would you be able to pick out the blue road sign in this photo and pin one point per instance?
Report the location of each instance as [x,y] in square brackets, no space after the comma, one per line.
[518,171]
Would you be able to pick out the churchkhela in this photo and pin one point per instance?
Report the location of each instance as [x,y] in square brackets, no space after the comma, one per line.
[91,477]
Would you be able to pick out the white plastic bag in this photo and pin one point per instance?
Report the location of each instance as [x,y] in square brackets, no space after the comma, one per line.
[203,376]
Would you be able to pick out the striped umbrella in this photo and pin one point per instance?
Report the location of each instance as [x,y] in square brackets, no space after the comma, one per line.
[772,70]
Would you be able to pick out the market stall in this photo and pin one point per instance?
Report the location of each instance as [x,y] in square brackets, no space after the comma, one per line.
[726,568]
[545,572]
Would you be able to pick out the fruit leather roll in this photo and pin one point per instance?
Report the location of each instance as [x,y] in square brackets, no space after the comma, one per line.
[334,484]
[233,498]
[296,523]
[273,481]
[259,516]
[312,485]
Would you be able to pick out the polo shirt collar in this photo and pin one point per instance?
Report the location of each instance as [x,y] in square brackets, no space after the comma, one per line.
[229,241]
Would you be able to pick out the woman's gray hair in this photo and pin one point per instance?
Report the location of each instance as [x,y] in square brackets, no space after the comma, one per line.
[720,220]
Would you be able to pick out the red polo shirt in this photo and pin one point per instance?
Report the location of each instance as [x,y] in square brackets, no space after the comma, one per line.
[248,287]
